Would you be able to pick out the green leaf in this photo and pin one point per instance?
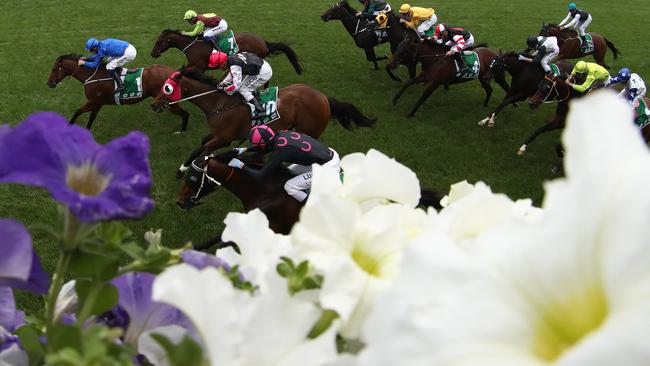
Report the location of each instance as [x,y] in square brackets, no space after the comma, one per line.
[283,269]
[62,336]
[289,262]
[29,340]
[302,270]
[311,283]
[100,296]
[114,233]
[100,267]
[323,323]
[133,250]
[186,353]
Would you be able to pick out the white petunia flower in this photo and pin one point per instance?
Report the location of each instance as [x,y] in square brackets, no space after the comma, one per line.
[260,247]
[570,290]
[239,329]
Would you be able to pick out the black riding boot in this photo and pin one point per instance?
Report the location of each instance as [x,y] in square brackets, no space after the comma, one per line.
[212,41]
[118,81]
[259,110]
[458,57]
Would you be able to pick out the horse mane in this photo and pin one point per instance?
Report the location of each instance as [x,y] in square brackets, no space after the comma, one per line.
[346,5]
[168,30]
[510,54]
[70,56]
[199,76]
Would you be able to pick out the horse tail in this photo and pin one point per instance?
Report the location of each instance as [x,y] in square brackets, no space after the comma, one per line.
[279,47]
[347,113]
[430,198]
[611,46]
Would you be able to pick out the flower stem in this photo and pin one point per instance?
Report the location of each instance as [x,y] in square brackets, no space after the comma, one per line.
[57,282]
[89,303]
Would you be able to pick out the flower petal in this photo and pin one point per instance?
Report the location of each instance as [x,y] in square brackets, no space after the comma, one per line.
[19,264]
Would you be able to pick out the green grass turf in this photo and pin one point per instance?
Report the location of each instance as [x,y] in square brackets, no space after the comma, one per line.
[443,144]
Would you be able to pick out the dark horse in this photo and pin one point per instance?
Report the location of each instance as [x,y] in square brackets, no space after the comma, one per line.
[363,34]
[301,107]
[197,51]
[439,69]
[570,44]
[525,80]
[99,88]
[207,173]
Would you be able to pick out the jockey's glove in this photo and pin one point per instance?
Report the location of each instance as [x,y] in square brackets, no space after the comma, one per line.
[236,163]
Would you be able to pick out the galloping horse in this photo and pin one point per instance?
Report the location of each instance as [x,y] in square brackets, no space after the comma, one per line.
[99,88]
[301,107]
[525,80]
[198,51]
[207,173]
[364,35]
[439,69]
[570,44]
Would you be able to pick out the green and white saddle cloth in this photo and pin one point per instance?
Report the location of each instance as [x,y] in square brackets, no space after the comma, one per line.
[555,69]
[471,66]
[132,80]
[269,100]
[587,47]
[642,114]
[227,43]
[430,32]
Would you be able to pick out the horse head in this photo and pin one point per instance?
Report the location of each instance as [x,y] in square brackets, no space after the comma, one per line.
[204,176]
[544,30]
[339,11]
[545,91]
[171,91]
[166,40]
[64,66]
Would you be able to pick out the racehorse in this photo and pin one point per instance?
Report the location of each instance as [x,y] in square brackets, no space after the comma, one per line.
[300,106]
[198,51]
[207,173]
[525,80]
[551,90]
[363,34]
[570,44]
[100,90]
[439,69]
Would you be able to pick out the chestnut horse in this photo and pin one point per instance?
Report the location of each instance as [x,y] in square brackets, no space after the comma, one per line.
[100,90]
[301,107]
[198,51]
[439,69]
[570,44]
[364,35]
[207,173]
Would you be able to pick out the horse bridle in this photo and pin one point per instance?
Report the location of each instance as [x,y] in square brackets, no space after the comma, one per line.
[554,87]
[205,177]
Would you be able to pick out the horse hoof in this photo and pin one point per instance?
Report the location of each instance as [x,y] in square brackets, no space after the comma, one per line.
[483,122]
[177,132]
[521,150]
[491,124]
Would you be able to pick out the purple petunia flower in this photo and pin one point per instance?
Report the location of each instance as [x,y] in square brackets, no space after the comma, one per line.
[96,182]
[19,265]
[200,260]
[10,318]
[143,313]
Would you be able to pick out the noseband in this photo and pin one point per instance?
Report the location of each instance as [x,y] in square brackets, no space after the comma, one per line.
[205,177]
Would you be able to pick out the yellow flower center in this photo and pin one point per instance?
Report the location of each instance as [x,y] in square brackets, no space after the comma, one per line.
[561,325]
[86,179]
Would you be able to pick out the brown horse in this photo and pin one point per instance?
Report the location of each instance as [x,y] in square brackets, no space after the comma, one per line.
[570,44]
[198,51]
[100,90]
[301,107]
[438,69]
[207,173]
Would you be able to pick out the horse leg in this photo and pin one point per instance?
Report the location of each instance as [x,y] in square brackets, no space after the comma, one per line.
[488,90]
[415,80]
[553,125]
[175,109]
[501,80]
[489,120]
[425,95]
[412,67]
[81,110]
[372,57]
[93,115]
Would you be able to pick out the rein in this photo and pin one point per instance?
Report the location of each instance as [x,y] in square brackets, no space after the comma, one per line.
[88,80]
[206,177]
[194,96]
[554,87]
[189,45]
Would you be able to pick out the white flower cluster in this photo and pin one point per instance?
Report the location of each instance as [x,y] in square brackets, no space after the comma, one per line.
[485,281]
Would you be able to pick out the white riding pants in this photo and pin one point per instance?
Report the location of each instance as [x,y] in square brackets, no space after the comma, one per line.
[128,56]
[250,83]
[220,28]
[581,28]
[297,185]
[427,24]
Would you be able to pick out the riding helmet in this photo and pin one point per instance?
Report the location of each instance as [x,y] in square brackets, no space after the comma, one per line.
[189,14]
[217,59]
[532,41]
[261,136]
[572,6]
[91,42]
[624,74]
[581,67]
[405,8]
[439,29]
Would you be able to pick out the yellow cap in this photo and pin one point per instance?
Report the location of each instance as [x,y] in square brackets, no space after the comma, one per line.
[189,14]
[581,66]
[405,8]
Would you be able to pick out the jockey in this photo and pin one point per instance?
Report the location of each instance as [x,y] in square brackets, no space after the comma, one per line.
[209,24]
[546,48]
[297,149]
[596,76]
[578,19]
[457,39]
[373,8]
[119,53]
[420,19]
[247,73]
[634,89]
